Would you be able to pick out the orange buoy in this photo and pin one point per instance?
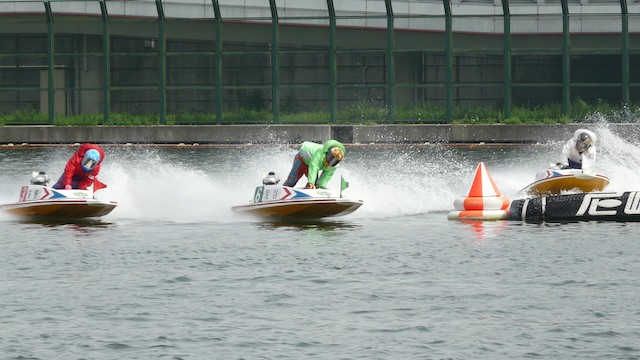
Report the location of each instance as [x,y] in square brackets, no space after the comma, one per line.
[484,200]
[482,203]
[478,215]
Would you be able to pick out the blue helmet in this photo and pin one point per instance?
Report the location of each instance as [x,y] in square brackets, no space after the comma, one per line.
[90,160]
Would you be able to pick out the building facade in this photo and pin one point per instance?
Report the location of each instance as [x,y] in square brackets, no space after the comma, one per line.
[210,57]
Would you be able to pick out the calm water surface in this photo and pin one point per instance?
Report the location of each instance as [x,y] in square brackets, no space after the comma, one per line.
[172,273]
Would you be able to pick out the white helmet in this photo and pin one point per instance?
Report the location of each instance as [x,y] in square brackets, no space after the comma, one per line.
[583,142]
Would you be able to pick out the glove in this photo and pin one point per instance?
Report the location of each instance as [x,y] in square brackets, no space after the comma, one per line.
[310,186]
[67,187]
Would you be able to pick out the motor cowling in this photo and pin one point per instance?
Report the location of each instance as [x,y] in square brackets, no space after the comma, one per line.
[40,178]
[271,179]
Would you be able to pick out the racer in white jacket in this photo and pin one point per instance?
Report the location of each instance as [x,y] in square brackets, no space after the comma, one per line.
[580,151]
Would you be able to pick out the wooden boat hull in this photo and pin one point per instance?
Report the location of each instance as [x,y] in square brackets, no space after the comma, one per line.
[271,201]
[70,209]
[556,182]
[42,202]
[301,209]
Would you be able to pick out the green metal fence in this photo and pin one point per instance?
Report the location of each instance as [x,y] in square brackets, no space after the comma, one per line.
[68,58]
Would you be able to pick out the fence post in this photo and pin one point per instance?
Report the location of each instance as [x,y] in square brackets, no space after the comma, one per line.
[162,64]
[448,61]
[275,63]
[106,64]
[506,15]
[625,52]
[391,98]
[218,65]
[333,67]
[51,64]
[566,60]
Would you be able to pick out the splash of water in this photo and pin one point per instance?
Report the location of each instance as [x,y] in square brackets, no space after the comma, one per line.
[202,184]
[618,157]
[186,186]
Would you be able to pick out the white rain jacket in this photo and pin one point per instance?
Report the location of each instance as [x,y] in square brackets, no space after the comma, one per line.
[587,158]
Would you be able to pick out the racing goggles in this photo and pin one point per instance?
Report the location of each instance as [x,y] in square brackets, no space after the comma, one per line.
[334,156]
[582,145]
[88,163]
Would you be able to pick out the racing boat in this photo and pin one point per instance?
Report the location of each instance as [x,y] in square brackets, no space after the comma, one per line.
[38,201]
[273,201]
[555,181]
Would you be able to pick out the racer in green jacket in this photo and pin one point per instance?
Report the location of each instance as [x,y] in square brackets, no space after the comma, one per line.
[313,158]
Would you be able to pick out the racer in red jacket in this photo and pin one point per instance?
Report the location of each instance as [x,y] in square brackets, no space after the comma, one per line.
[82,169]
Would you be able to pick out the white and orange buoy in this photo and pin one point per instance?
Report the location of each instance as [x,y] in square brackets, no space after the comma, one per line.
[484,202]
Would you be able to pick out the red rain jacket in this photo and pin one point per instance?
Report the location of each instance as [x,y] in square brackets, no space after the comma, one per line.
[74,168]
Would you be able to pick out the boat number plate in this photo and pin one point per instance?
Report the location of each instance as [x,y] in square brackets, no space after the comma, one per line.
[263,194]
[27,194]
[258,195]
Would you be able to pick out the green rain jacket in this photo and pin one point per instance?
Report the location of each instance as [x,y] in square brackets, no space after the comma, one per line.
[313,155]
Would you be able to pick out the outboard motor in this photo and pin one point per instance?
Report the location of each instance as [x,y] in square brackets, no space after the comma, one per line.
[271,179]
[40,178]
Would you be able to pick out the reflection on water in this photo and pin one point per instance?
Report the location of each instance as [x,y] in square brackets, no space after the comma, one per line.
[74,224]
[484,230]
[200,184]
[303,225]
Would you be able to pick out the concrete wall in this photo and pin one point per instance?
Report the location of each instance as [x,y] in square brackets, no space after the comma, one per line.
[295,134]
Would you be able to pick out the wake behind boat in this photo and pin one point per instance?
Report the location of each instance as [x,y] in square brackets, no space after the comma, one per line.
[557,181]
[273,201]
[38,201]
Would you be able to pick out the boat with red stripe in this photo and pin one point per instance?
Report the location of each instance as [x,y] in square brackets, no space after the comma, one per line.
[273,201]
[38,201]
